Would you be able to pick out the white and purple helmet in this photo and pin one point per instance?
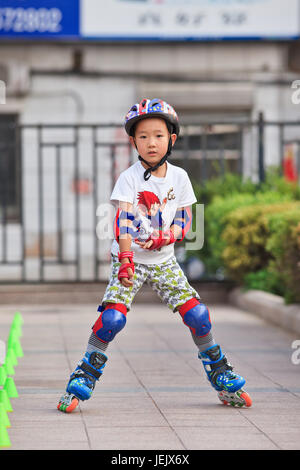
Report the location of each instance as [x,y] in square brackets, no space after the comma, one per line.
[151,108]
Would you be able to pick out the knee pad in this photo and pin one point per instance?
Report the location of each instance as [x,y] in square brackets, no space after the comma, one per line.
[196,316]
[111,320]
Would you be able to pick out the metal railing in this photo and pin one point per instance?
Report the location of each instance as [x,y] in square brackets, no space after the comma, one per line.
[50,193]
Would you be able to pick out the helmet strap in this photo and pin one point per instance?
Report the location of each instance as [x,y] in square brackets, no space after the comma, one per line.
[149,170]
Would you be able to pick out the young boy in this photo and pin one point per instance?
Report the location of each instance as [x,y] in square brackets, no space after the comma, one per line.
[153,213]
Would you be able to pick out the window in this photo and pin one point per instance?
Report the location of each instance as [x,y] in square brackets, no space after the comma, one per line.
[10,179]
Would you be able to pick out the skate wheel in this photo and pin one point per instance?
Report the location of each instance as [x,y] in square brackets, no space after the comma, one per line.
[222,400]
[68,409]
[247,399]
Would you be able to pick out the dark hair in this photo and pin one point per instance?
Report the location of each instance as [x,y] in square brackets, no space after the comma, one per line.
[170,127]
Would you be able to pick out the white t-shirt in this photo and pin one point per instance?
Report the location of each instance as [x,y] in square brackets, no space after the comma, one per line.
[155,202]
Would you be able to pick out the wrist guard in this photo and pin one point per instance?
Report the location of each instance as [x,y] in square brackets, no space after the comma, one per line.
[161,239]
[124,267]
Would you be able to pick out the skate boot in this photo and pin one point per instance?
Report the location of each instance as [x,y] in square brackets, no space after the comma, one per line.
[82,381]
[221,376]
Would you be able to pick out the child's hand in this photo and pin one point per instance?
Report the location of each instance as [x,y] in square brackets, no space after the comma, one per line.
[146,245]
[126,270]
[157,240]
[127,282]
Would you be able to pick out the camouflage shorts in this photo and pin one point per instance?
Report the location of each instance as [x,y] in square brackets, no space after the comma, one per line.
[167,279]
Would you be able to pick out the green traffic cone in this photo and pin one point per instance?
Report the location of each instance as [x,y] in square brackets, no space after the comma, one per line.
[13,342]
[18,319]
[4,419]
[11,388]
[3,375]
[12,356]
[15,330]
[9,369]
[4,437]
[13,336]
[5,401]
[18,349]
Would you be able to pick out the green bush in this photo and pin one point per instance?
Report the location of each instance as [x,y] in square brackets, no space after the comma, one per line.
[252,232]
[216,218]
[263,248]
[223,186]
[223,194]
[231,183]
[275,182]
[265,279]
[246,236]
[284,246]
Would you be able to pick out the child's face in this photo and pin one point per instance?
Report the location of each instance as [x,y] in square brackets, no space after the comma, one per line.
[152,139]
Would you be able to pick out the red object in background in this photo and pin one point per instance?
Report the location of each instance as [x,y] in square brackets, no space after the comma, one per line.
[289,167]
[81,186]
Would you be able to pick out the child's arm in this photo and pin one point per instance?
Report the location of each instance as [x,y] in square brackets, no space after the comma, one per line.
[177,231]
[182,222]
[125,239]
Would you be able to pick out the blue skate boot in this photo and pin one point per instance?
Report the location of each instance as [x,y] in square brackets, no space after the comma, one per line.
[82,381]
[221,376]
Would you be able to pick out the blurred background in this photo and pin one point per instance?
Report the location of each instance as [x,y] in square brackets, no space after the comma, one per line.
[69,72]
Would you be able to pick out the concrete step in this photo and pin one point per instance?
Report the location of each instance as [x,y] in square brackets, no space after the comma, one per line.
[61,293]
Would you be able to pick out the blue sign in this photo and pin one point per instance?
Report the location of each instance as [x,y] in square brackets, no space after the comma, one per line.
[39,18]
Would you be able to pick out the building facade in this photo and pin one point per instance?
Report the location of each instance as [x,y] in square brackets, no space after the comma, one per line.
[56,176]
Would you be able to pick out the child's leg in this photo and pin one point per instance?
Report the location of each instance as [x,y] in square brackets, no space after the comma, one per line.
[112,319]
[196,316]
[172,286]
[116,303]
[219,372]
[174,289]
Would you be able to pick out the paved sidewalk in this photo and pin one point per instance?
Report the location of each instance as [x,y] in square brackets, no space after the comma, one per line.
[153,394]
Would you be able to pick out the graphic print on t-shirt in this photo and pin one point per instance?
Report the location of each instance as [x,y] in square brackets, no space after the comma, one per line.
[148,215]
